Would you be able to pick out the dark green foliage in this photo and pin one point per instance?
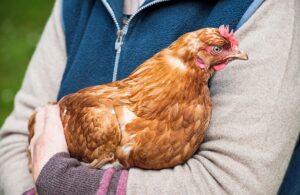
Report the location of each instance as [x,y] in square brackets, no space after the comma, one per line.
[21,23]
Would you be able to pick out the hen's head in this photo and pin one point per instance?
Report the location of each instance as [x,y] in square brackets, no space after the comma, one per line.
[209,48]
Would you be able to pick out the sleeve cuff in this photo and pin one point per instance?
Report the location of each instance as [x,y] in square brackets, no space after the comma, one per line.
[65,175]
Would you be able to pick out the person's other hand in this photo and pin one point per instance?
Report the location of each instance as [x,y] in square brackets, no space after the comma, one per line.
[48,139]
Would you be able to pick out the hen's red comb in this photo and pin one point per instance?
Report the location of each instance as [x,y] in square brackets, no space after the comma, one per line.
[229,35]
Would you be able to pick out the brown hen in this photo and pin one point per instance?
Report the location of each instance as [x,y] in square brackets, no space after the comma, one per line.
[156,117]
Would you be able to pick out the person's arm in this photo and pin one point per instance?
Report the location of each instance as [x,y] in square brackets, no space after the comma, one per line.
[65,175]
[40,85]
[255,121]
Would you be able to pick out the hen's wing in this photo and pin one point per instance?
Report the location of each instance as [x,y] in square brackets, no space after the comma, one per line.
[91,128]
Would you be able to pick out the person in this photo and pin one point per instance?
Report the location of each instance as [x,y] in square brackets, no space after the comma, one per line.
[254,127]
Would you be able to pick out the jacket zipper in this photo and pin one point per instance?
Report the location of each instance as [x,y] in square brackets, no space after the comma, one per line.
[121,32]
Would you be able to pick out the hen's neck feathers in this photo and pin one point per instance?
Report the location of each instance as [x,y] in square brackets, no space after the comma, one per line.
[167,70]
[158,83]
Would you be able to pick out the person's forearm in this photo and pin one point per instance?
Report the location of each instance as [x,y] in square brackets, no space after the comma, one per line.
[65,175]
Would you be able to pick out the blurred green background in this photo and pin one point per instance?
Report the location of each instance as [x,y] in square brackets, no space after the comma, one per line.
[21,24]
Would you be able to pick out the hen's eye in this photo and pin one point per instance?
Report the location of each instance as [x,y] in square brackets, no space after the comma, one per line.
[216,50]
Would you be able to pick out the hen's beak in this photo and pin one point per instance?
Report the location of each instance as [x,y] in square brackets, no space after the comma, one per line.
[241,56]
[237,54]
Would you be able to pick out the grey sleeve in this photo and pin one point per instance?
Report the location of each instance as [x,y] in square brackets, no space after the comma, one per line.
[65,175]
[40,85]
[255,122]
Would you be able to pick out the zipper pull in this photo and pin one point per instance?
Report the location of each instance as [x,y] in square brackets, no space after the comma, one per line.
[119,40]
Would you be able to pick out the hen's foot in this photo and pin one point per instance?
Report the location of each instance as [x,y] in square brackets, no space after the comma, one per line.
[98,163]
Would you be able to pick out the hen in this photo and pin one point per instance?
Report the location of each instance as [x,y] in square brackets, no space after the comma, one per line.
[156,117]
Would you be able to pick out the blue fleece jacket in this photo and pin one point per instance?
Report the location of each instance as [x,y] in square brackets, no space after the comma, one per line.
[100,49]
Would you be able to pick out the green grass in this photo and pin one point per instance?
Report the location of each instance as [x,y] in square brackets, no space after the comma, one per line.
[21,24]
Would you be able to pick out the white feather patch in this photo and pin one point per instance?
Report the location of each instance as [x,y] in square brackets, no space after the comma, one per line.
[132,136]
[127,148]
[127,117]
[176,63]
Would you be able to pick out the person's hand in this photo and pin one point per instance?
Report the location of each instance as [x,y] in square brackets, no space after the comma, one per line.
[48,139]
